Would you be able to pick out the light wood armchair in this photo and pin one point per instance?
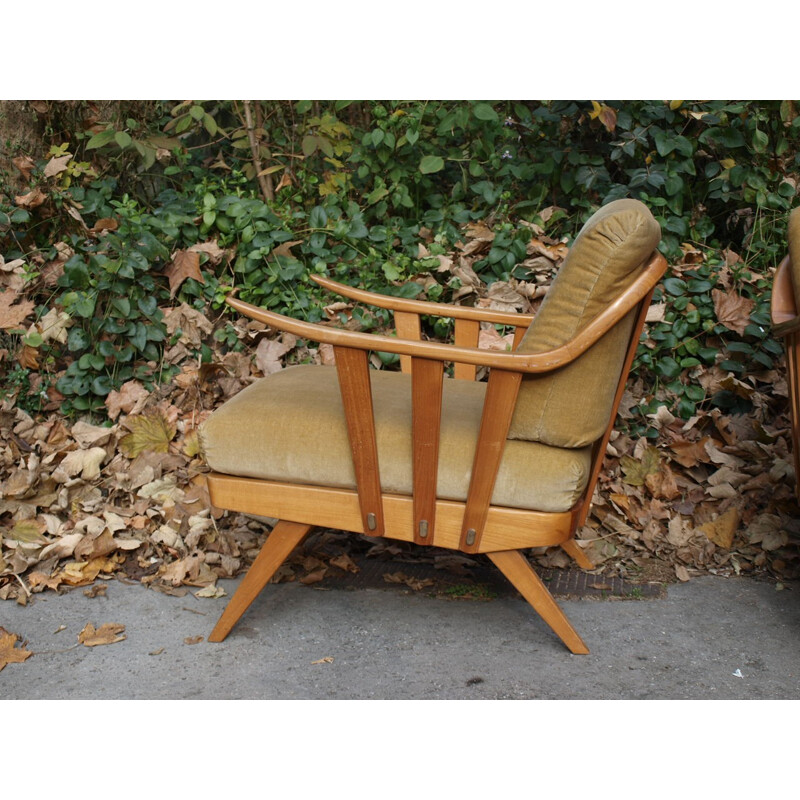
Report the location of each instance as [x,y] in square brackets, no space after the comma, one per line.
[786,326]
[420,511]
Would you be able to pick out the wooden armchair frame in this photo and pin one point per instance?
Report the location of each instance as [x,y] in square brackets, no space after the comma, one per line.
[786,325]
[473,526]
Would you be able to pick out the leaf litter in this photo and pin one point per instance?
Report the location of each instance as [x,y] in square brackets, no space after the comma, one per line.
[82,502]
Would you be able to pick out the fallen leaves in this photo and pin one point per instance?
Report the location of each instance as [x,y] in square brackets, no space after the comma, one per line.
[147,432]
[732,310]
[11,312]
[185,264]
[109,633]
[9,652]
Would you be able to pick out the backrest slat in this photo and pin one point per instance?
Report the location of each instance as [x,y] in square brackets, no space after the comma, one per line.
[352,367]
[426,418]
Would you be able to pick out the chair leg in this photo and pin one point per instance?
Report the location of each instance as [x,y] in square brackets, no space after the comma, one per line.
[522,575]
[285,536]
[571,548]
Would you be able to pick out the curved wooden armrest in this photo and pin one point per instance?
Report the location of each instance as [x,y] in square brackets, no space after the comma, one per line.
[786,327]
[515,362]
[424,306]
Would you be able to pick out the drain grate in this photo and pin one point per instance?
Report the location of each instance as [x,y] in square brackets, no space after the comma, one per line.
[479,582]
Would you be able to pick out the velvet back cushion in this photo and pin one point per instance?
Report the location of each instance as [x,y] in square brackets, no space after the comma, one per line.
[570,407]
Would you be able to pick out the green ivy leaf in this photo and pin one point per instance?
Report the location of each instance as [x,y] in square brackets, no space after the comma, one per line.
[431,164]
[485,112]
[101,139]
[122,139]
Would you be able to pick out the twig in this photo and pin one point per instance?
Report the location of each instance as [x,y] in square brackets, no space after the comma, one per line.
[260,126]
[22,584]
[251,135]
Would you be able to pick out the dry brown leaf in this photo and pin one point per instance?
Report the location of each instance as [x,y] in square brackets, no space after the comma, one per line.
[53,326]
[26,531]
[11,314]
[28,357]
[636,471]
[9,653]
[211,248]
[211,591]
[148,432]
[413,583]
[32,199]
[345,562]
[732,310]
[662,483]
[87,462]
[721,530]
[193,640]
[109,633]
[191,322]
[104,224]
[185,264]
[57,165]
[690,454]
[314,577]
[25,165]
[285,249]
[130,399]
[270,351]
[681,573]
[326,660]
[98,590]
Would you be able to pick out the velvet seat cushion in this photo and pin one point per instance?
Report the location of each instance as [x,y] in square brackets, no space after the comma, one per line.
[290,427]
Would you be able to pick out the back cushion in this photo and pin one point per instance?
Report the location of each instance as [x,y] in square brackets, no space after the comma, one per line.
[570,407]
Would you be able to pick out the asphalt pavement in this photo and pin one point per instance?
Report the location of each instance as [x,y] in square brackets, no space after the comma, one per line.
[712,637]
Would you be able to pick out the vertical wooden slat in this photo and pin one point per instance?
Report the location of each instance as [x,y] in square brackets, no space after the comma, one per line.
[353,371]
[407,325]
[466,335]
[426,404]
[519,332]
[498,408]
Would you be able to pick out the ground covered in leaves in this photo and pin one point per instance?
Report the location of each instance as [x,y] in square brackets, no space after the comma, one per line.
[82,500]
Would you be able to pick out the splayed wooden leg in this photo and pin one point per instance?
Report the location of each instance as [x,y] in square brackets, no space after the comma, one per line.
[573,549]
[517,569]
[284,538]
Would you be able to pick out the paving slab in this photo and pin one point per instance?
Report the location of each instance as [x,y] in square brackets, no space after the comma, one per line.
[710,638]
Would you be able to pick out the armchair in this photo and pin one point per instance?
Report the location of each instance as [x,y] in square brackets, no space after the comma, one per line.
[482,467]
[786,325]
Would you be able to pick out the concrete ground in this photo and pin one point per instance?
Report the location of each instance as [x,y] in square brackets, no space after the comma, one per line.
[709,638]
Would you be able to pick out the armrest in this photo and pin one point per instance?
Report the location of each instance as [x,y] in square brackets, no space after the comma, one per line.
[515,362]
[786,327]
[424,306]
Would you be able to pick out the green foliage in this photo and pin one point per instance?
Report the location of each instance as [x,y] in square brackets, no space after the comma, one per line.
[345,188]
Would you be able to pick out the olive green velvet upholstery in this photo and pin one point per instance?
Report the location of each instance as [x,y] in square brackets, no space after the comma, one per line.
[794,251]
[571,406]
[291,427]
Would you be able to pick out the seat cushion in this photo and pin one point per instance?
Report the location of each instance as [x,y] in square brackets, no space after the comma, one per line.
[290,427]
[571,407]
